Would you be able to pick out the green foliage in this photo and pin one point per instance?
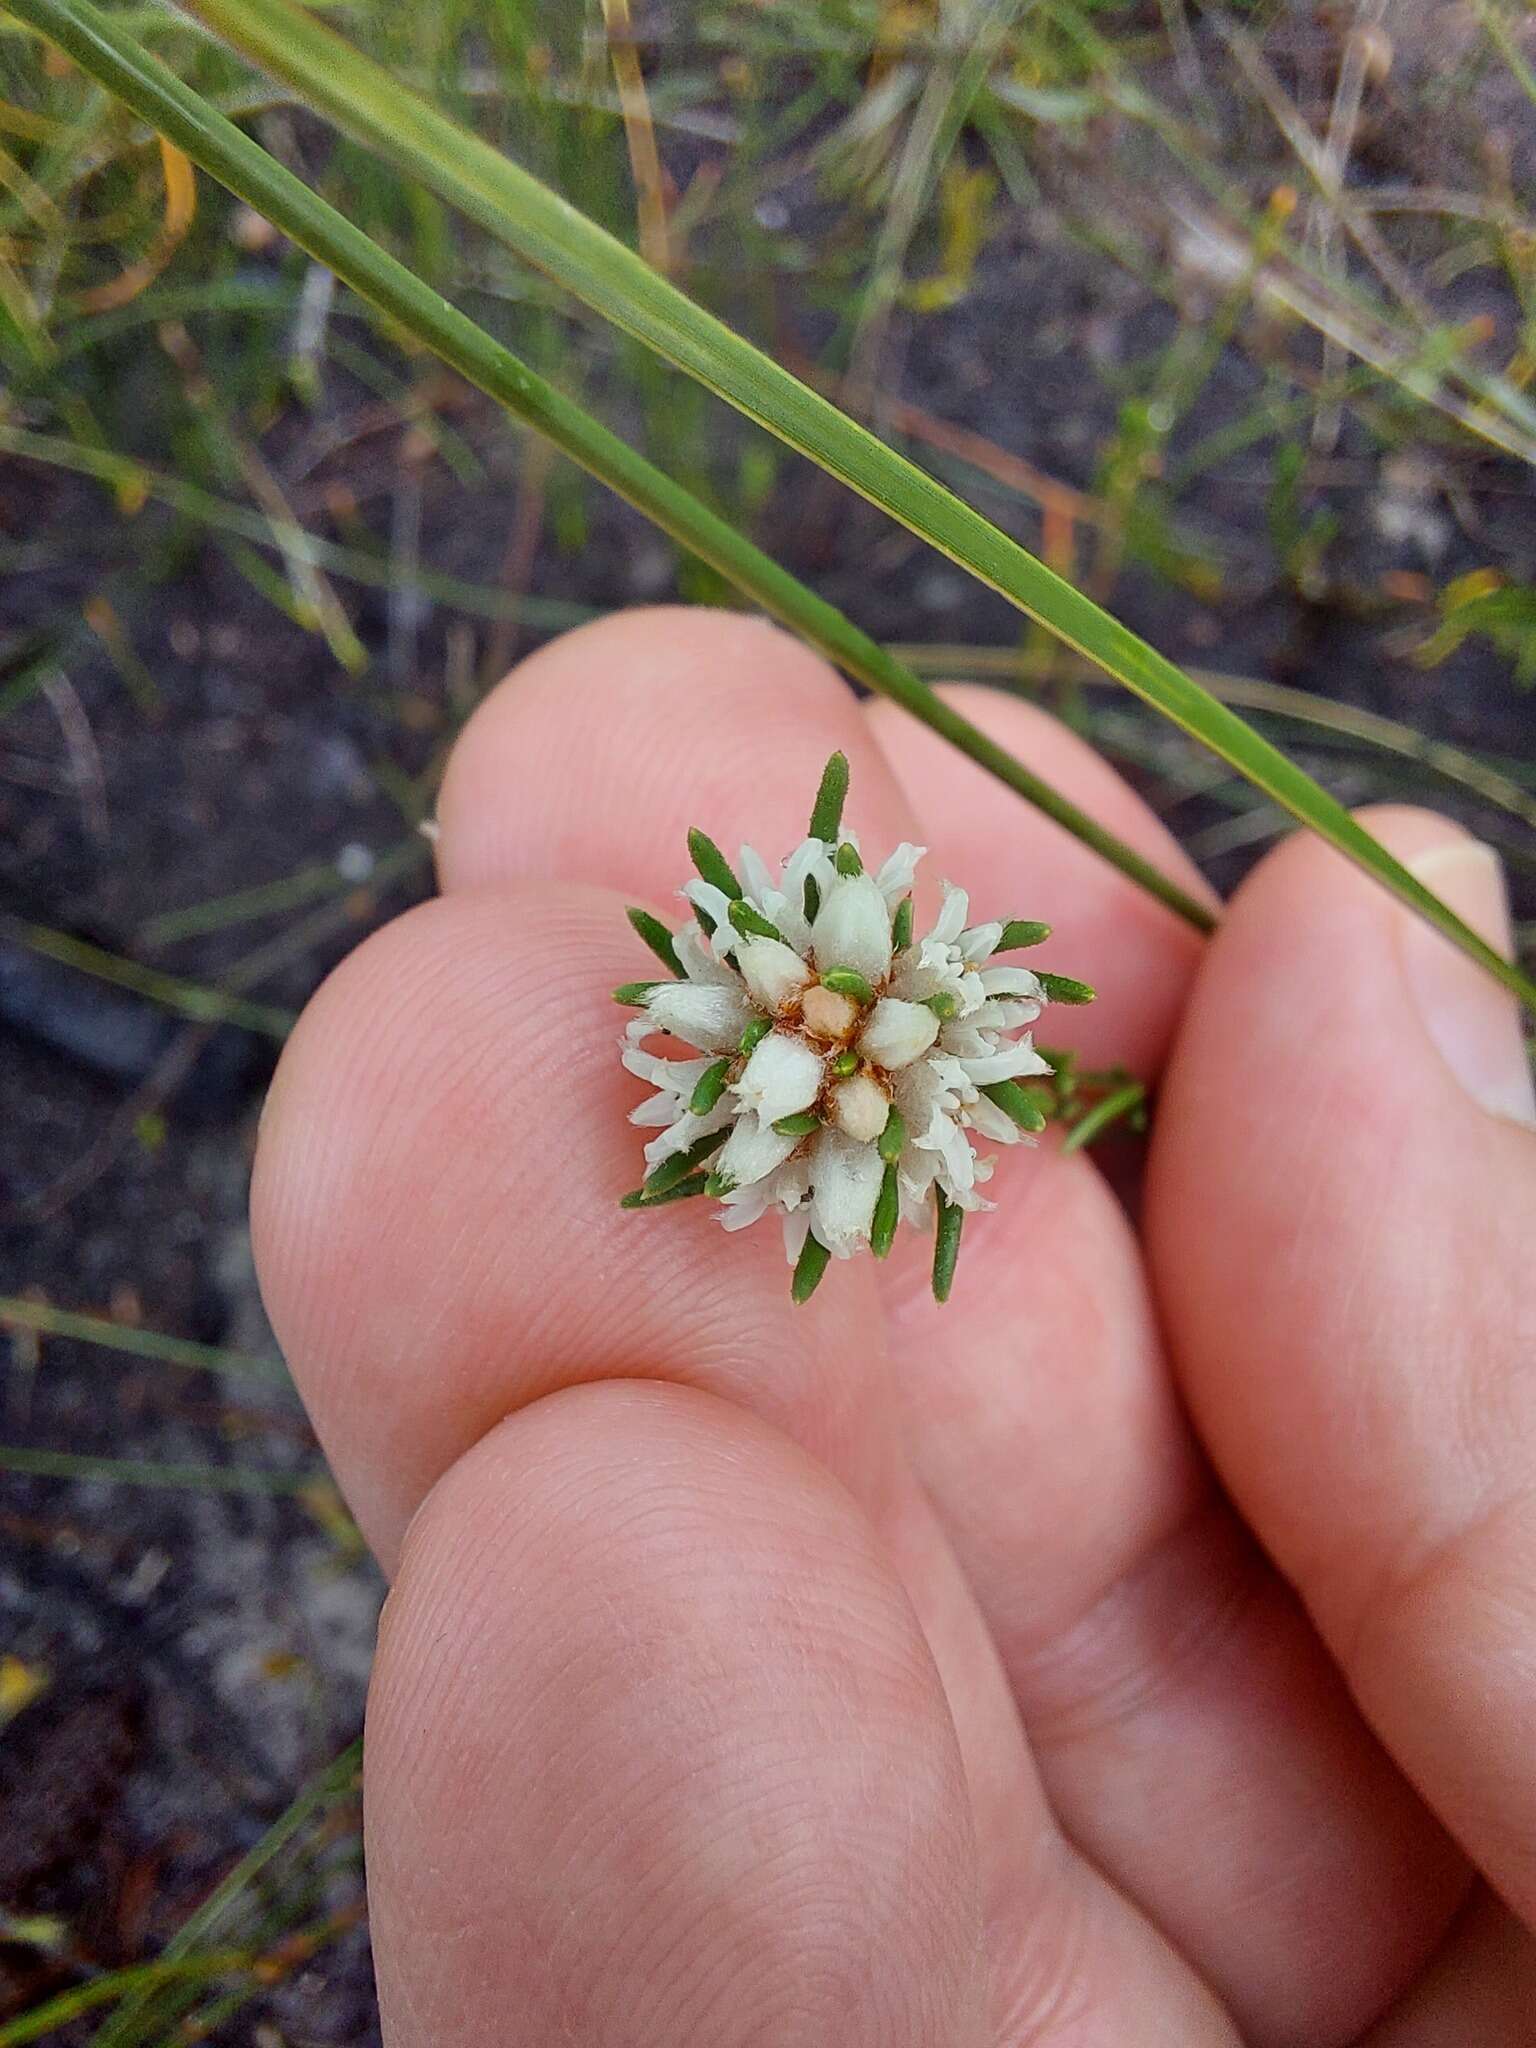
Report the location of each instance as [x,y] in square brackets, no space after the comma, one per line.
[1482,604]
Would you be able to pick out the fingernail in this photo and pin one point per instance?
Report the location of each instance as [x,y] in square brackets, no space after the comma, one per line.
[1473,1022]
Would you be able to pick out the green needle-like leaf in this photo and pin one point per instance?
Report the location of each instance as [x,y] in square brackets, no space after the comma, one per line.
[847,981]
[754,1034]
[800,1125]
[946,1244]
[711,1086]
[751,923]
[827,814]
[882,1231]
[1061,988]
[545,230]
[846,860]
[712,863]
[809,1267]
[1012,1101]
[680,1191]
[901,926]
[893,1137]
[681,1164]
[657,937]
[845,1063]
[632,994]
[1019,932]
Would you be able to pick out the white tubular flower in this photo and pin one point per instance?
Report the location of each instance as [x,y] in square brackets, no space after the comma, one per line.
[782,1077]
[853,928]
[772,971]
[842,1066]
[713,1019]
[752,1150]
[897,1033]
[860,1107]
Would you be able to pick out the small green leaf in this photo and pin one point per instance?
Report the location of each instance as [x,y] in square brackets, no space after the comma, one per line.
[800,1125]
[657,937]
[712,863]
[809,1267]
[1019,932]
[754,1034]
[1012,1101]
[882,1231]
[846,1063]
[1061,988]
[812,898]
[641,1198]
[845,981]
[681,1164]
[901,926]
[710,1087]
[827,814]
[946,1244]
[719,1184]
[893,1137]
[751,923]
[943,1005]
[633,994]
[846,860]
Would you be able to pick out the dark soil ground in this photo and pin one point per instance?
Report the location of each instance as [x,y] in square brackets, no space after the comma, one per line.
[203,1651]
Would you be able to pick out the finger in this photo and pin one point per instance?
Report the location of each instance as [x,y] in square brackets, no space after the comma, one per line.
[1480,1988]
[1107,930]
[1190,1731]
[596,756]
[1342,1236]
[656,1752]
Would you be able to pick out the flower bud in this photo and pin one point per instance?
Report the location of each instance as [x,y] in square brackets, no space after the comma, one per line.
[711,1018]
[826,1014]
[897,1033]
[860,1107]
[772,971]
[782,1077]
[853,928]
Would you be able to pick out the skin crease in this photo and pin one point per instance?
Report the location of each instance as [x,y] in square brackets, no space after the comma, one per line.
[1136,1651]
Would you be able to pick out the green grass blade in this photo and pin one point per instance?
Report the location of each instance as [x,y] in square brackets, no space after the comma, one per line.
[331,1784]
[106,53]
[17,1313]
[330,75]
[32,1463]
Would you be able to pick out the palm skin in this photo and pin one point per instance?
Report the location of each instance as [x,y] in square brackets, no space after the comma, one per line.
[1135,1651]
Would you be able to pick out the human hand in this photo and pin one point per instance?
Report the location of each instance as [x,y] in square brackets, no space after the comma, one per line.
[1141,1649]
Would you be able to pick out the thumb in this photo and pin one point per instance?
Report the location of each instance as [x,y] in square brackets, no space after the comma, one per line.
[1341,1216]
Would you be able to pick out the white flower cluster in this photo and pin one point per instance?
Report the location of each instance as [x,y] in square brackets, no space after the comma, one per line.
[844,1067]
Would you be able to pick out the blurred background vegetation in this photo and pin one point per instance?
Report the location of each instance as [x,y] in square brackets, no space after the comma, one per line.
[1228,313]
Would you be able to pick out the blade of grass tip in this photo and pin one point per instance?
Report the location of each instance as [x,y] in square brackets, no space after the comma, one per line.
[104,52]
[189,999]
[331,1784]
[333,77]
[116,1984]
[18,1313]
[42,1464]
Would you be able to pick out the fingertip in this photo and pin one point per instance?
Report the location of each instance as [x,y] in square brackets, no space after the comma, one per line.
[595,755]
[656,1751]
